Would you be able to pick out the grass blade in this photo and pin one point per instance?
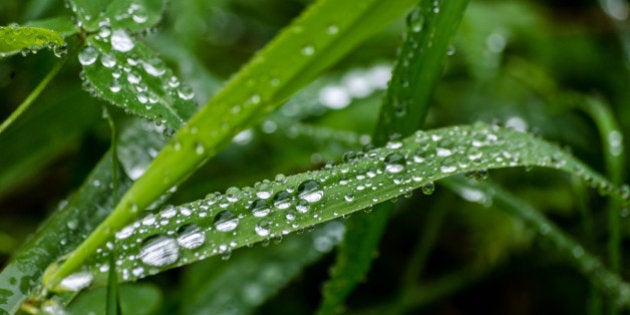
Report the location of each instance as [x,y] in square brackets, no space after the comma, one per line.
[430,30]
[216,225]
[15,39]
[314,41]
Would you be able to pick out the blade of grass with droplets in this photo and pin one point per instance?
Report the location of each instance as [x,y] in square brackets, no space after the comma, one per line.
[178,236]
[130,75]
[14,39]
[609,282]
[314,41]
[430,30]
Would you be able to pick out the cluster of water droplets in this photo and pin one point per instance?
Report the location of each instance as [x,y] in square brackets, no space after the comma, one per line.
[138,79]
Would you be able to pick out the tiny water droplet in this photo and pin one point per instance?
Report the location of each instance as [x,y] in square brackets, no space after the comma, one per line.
[428,188]
[332,29]
[308,50]
[185,92]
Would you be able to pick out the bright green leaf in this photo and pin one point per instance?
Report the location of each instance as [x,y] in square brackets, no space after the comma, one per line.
[15,39]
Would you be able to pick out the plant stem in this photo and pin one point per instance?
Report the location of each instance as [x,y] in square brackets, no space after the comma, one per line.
[33,96]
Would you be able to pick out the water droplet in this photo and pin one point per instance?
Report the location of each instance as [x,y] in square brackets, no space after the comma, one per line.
[260,208]
[104,32]
[155,67]
[159,251]
[190,236]
[185,92]
[264,190]
[428,188]
[308,50]
[225,221]
[263,228]
[199,148]
[88,55]
[115,86]
[302,206]
[416,20]
[76,281]
[349,197]
[282,200]
[133,77]
[310,191]
[121,41]
[332,29]
[394,163]
[108,60]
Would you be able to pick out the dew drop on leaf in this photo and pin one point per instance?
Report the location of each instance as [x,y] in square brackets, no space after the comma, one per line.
[88,55]
[159,251]
[394,163]
[263,228]
[76,281]
[310,191]
[282,200]
[225,221]
[190,236]
[121,41]
[260,208]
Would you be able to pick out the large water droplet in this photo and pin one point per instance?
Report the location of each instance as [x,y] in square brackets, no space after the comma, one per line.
[225,221]
[108,60]
[190,236]
[76,281]
[394,163]
[310,191]
[121,41]
[159,251]
[155,67]
[88,55]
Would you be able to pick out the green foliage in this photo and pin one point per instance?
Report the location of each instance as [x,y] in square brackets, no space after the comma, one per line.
[506,93]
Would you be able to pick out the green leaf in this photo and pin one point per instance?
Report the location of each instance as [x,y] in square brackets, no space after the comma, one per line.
[418,69]
[14,39]
[130,75]
[177,236]
[134,15]
[137,299]
[314,41]
[252,276]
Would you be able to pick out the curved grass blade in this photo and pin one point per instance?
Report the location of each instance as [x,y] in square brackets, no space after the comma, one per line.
[609,282]
[216,225]
[430,30]
[252,276]
[314,41]
[134,15]
[130,75]
[14,39]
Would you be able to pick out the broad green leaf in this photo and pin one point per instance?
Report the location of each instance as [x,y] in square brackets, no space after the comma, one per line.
[134,15]
[177,236]
[431,27]
[130,75]
[15,39]
[252,276]
[137,299]
[314,41]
